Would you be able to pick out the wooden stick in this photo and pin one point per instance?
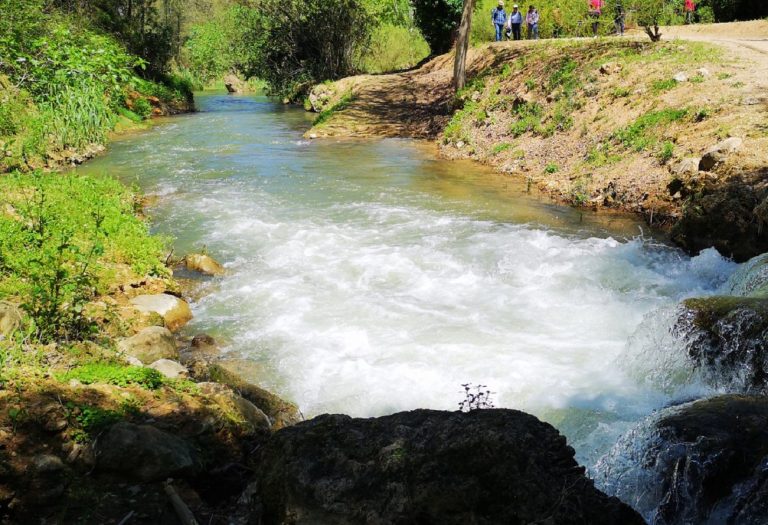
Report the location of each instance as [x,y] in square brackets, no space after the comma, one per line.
[182,511]
[126,518]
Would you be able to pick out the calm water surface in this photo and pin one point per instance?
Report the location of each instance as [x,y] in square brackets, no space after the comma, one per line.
[368,277]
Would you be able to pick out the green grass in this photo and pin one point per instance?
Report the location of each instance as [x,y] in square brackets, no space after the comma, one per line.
[327,113]
[114,374]
[666,152]
[527,119]
[659,86]
[500,148]
[551,168]
[644,132]
[61,237]
[620,92]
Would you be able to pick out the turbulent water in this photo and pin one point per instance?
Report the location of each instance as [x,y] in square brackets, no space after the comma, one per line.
[367,277]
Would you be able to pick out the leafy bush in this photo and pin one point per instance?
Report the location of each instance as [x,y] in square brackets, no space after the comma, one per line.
[142,107]
[61,240]
[300,42]
[438,20]
[394,48]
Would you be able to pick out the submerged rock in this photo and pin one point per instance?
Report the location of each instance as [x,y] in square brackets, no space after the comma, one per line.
[175,312]
[703,463]
[426,466]
[727,336]
[204,264]
[150,344]
[144,453]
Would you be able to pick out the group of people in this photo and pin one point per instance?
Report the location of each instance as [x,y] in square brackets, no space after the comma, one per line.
[512,24]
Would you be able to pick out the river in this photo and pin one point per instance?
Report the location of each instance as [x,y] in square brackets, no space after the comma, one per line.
[368,276]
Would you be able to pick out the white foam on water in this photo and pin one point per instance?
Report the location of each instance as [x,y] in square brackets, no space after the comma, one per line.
[368,309]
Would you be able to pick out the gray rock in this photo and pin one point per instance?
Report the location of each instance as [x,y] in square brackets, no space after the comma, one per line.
[197,262]
[242,375]
[681,77]
[426,466]
[47,463]
[174,311]
[718,153]
[170,369]
[251,414]
[687,166]
[704,72]
[205,344]
[10,319]
[150,344]
[144,453]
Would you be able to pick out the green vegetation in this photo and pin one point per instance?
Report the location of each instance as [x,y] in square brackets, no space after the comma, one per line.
[658,86]
[644,132]
[61,239]
[64,83]
[551,168]
[500,148]
[437,20]
[114,374]
[326,114]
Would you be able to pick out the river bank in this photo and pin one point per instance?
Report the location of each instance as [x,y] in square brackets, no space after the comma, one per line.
[606,124]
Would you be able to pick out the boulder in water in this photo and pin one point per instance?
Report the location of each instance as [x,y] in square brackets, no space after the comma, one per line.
[703,462]
[426,466]
[205,264]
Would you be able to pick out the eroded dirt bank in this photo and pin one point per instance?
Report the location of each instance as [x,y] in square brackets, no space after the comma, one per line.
[675,131]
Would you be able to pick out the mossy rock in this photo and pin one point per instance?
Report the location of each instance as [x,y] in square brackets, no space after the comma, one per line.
[231,373]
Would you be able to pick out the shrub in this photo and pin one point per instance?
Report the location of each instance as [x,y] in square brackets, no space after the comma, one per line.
[296,43]
[142,107]
[58,245]
[393,48]
[438,20]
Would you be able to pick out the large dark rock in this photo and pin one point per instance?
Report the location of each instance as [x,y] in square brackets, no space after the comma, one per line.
[727,336]
[724,214]
[700,463]
[144,453]
[427,467]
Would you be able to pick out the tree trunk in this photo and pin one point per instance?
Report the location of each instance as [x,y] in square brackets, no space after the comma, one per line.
[462,46]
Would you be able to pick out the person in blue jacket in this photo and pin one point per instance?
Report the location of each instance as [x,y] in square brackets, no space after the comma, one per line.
[499,19]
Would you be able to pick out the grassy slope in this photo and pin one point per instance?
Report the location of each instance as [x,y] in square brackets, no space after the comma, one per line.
[603,137]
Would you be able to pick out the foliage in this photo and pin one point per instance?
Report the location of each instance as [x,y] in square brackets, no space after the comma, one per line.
[301,42]
[394,48]
[59,243]
[65,84]
[643,132]
[142,107]
[92,420]
[114,374]
[326,114]
[476,397]
[438,20]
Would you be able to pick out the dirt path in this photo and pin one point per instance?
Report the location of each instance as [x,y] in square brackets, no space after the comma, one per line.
[416,103]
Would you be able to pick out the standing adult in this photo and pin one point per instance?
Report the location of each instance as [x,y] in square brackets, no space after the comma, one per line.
[499,18]
[595,10]
[532,21]
[690,7]
[618,19]
[516,22]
